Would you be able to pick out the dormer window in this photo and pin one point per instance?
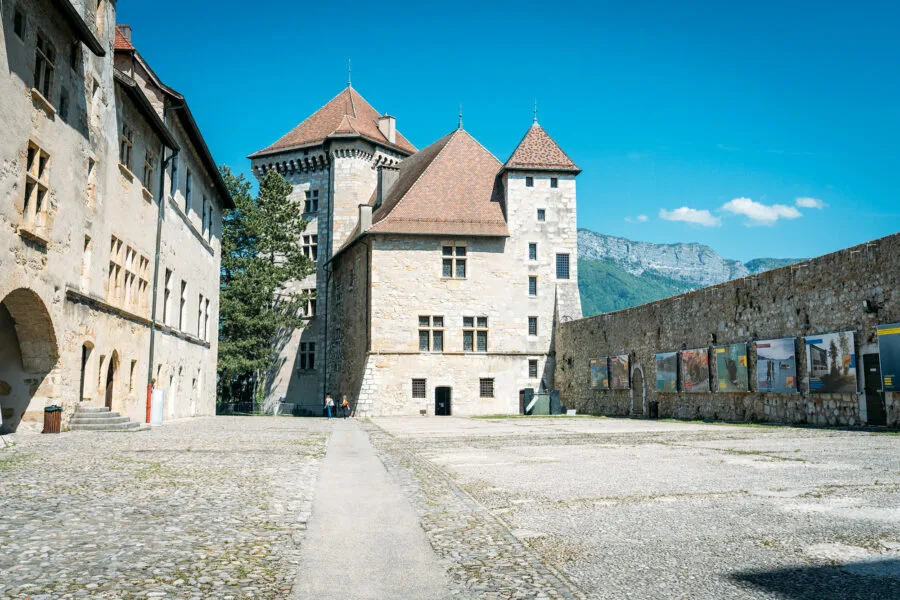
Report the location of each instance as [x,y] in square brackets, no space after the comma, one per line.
[529,182]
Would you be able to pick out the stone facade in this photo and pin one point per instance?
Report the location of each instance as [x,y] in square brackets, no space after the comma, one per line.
[851,290]
[78,270]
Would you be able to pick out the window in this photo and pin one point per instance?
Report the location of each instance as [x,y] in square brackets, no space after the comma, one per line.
[37,180]
[75,55]
[562,266]
[64,105]
[44,66]
[309,310]
[128,298]
[418,388]
[147,174]
[209,224]
[311,204]
[131,376]
[126,143]
[86,264]
[431,333]
[541,214]
[115,276]
[182,312]
[307,356]
[203,216]
[532,325]
[143,281]
[453,262]
[200,317]
[532,286]
[167,297]
[554,182]
[532,369]
[206,320]
[188,190]
[475,332]
[529,182]
[486,388]
[311,247]
[19,23]
[532,251]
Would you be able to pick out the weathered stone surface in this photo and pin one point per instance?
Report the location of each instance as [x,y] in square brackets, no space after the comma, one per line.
[821,295]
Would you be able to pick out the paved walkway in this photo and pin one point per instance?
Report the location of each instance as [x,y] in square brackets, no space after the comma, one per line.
[362,522]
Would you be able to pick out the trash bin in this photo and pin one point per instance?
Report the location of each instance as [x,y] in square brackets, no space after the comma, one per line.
[653,410]
[52,417]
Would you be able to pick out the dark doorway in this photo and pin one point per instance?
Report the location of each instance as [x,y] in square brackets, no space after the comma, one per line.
[521,402]
[85,354]
[111,380]
[637,392]
[875,412]
[442,401]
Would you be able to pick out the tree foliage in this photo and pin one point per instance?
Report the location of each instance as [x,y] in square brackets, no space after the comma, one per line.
[261,257]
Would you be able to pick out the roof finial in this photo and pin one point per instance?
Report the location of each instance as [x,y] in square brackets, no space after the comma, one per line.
[535,110]
[349,80]
[460,117]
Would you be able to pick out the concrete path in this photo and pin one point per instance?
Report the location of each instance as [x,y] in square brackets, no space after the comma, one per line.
[362,521]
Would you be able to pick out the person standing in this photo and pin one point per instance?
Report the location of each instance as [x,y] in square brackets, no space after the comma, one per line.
[345,406]
[329,405]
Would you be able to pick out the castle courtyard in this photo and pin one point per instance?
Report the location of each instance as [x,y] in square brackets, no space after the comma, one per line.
[429,507]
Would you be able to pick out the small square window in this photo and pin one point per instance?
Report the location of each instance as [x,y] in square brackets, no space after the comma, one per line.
[424,321]
[532,369]
[460,250]
[532,286]
[541,214]
[468,321]
[448,250]
[418,388]
[438,321]
[486,388]
[529,182]
[532,325]
[554,182]
[482,321]
[532,251]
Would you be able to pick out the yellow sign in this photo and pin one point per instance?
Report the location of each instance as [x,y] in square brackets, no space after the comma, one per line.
[894,331]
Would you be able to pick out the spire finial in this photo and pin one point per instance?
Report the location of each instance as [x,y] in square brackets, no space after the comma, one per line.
[460,117]
[349,71]
[535,110]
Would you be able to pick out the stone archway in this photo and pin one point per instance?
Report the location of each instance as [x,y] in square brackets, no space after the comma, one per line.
[28,353]
[110,387]
[637,391]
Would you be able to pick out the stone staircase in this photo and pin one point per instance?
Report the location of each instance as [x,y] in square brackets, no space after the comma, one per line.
[99,418]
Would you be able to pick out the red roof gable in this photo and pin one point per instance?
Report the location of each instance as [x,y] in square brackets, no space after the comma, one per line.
[537,151]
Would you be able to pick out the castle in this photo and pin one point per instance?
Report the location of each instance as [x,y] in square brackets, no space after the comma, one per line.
[441,273]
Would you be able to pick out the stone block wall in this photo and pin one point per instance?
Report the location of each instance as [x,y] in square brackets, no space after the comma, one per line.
[851,290]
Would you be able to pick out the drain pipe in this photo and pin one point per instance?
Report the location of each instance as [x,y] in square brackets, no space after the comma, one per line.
[159,222]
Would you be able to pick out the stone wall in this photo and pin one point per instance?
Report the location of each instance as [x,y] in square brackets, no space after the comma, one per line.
[822,295]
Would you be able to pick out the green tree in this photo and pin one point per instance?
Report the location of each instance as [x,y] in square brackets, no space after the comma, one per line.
[261,257]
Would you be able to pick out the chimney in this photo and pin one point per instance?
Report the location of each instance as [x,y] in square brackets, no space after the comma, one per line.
[365,217]
[387,177]
[388,127]
[125,30]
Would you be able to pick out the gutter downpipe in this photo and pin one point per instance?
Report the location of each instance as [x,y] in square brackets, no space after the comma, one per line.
[328,270]
[159,221]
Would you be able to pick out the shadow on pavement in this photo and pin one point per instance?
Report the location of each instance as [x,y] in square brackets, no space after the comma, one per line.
[875,580]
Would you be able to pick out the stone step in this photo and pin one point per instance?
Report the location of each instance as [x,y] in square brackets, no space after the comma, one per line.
[129,426]
[91,420]
[95,415]
[91,409]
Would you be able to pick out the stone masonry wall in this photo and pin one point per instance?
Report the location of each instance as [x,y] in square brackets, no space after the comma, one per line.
[822,295]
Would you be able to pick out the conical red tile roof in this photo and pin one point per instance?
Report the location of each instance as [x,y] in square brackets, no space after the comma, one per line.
[449,188]
[538,152]
[346,115]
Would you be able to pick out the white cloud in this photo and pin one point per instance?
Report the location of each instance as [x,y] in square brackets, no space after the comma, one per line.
[758,213]
[643,218]
[690,215]
[637,219]
[810,203]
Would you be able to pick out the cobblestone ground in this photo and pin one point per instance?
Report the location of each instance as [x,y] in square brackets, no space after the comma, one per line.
[618,508]
[204,508]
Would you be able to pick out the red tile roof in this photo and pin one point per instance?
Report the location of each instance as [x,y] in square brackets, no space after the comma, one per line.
[122,42]
[346,115]
[449,188]
[538,152]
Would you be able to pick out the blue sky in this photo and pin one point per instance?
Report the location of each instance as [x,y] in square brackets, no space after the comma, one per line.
[692,121]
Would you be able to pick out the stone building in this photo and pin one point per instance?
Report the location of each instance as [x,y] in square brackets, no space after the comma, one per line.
[441,273]
[98,157]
